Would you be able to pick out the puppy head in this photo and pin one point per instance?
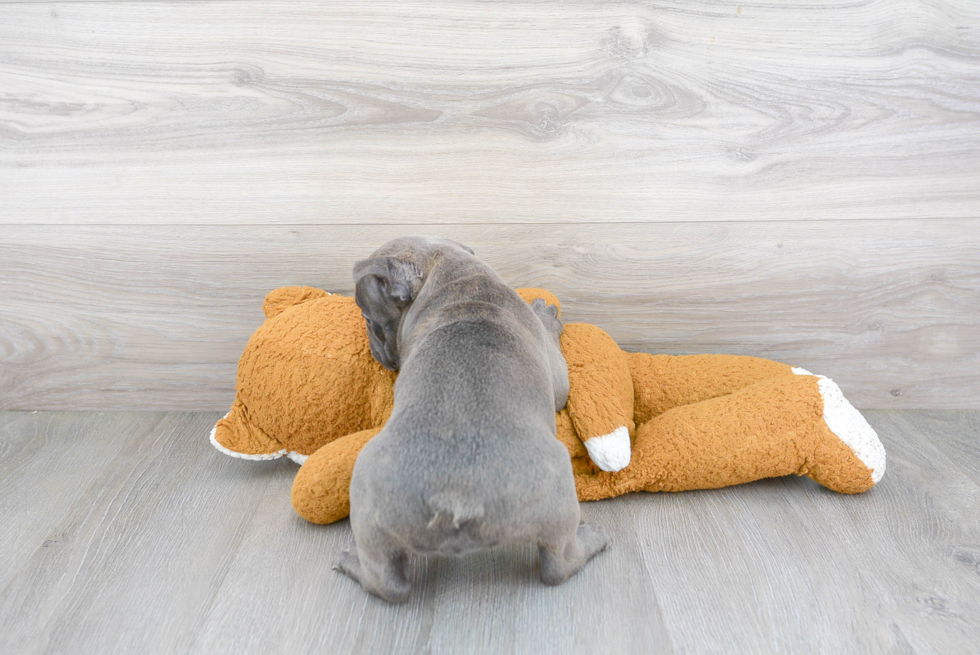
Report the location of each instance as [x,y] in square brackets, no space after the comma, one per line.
[386,284]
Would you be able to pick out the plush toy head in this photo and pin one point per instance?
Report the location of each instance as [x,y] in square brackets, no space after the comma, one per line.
[305,379]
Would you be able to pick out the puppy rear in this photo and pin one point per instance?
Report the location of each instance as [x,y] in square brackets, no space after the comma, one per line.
[454,521]
[469,458]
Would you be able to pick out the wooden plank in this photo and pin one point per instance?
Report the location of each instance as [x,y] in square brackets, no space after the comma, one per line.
[151,541]
[459,112]
[960,441]
[172,547]
[743,569]
[612,605]
[305,604]
[489,602]
[780,565]
[47,460]
[496,595]
[177,548]
[916,544]
[157,316]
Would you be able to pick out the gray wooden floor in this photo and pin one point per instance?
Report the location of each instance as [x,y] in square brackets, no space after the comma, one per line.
[126,532]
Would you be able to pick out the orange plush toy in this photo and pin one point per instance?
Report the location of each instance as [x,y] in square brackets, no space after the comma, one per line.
[308,389]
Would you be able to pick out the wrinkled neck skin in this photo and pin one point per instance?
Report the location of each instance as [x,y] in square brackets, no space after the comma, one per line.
[454,285]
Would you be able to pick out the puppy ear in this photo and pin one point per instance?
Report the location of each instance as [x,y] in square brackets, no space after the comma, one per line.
[464,247]
[400,281]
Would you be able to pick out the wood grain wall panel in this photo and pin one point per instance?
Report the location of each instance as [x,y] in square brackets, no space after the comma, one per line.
[466,112]
[790,180]
[156,316]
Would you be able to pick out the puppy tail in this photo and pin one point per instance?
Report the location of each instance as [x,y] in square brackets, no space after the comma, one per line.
[450,512]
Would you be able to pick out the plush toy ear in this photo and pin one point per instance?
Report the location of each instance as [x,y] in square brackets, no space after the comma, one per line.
[281,299]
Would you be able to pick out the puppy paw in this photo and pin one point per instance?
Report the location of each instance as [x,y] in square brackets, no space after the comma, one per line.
[593,539]
[549,317]
[388,583]
[349,564]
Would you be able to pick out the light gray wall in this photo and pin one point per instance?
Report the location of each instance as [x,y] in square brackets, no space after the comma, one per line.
[799,181]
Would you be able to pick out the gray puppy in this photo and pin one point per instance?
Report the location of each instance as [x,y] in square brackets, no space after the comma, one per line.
[469,458]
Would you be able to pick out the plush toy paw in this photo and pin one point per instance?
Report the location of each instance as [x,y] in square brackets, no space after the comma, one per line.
[847,424]
[610,452]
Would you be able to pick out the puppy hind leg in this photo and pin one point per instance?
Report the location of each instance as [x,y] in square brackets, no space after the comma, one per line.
[563,558]
[559,376]
[380,571]
[548,314]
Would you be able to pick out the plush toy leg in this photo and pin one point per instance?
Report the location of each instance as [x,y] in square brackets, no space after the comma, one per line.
[855,435]
[600,397]
[321,489]
[772,428]
[661,382]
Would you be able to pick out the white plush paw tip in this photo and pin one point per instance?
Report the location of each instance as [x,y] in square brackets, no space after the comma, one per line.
[849,425]
[610,452]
